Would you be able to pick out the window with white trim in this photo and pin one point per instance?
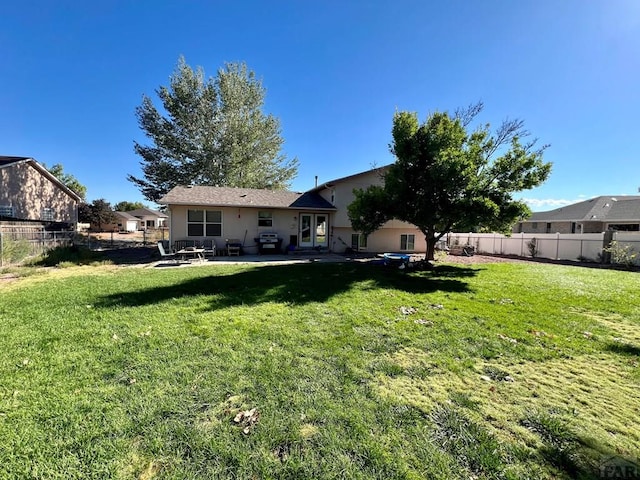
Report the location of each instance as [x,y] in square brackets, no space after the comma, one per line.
[6,211]
[204,223]
[358,241]
[407,241]
[265,219]
[47,214]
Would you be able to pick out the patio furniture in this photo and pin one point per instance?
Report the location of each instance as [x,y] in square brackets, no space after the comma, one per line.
[182,244]
[170,255]
[209,246]
[192,252]
[233,246]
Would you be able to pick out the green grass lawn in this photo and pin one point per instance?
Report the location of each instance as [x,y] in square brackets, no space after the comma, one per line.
[489,371]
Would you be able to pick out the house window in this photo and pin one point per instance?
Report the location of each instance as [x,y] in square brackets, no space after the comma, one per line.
[47,214]
[548,228]
[534,225]
[358,241]
[333,196]
[624,227]
[407,242]
[204,223]
[265,219]
[6,211]
[151,224]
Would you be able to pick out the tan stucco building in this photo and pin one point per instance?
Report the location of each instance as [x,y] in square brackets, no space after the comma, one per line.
[599,214]
[316,219]
[28,191]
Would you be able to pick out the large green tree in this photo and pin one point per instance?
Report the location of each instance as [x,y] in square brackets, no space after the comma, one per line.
[212,132]
[69,180]
[97,213]
[126,206]
[447,178]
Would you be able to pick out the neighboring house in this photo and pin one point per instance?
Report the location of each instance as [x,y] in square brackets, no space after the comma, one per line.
[316,219]
[123,222]
[28,191]
[599,214]
[149,218]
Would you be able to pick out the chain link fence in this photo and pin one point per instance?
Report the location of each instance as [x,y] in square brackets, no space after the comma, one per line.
[18,243]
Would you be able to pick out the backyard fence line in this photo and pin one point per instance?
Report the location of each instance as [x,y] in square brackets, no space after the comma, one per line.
[554,246]
[18,243]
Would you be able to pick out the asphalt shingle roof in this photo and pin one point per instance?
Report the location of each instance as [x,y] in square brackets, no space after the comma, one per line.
[603,208]
[143,212]
[243,197]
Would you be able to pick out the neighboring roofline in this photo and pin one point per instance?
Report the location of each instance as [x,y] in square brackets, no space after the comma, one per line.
[331,183]
[44,172]
[149,212]
[601,220]
[126,215]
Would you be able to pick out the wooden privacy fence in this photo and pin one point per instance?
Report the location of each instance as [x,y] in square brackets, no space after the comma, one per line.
[555,246]
[20,242]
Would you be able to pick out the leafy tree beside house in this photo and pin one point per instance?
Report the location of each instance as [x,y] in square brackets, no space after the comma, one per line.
[68,180]
[214,133]
[446,178]
[97,213]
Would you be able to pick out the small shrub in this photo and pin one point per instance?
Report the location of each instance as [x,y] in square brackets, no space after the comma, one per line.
[532,247]
[69,256]
[623,255]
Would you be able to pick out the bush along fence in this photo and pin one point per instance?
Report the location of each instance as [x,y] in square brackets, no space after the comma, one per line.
[19,243]
[622,248]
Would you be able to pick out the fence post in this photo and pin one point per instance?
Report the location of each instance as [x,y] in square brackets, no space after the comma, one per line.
[607,238]
[557,245]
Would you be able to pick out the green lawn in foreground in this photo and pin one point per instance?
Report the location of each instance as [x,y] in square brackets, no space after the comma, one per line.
[491,371]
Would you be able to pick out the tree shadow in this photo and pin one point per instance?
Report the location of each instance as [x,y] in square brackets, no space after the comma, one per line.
[294,284]
[623,348]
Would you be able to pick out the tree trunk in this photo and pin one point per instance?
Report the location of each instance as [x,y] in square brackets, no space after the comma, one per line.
[431,246]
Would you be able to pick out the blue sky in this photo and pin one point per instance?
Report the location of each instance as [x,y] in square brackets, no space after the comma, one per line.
[73,72]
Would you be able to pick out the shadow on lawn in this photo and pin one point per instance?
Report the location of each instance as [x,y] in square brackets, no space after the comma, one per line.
[623,348]
[297,284]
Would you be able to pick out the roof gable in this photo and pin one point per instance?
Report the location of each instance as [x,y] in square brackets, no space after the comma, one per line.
[7,161]
[331,183]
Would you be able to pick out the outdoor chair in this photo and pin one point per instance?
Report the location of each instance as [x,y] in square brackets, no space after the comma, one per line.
[233,246]
[182,244]
[164,254]
[209,246]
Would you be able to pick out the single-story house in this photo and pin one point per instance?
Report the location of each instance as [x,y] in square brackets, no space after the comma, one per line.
[316,219]
[28,191]
[599,214]
[149,219]
[124,222]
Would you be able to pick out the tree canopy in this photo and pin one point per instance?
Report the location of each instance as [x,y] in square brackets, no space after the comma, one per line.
[447,178]
[97,213]
[69,180]
[126,206]
[213,132]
